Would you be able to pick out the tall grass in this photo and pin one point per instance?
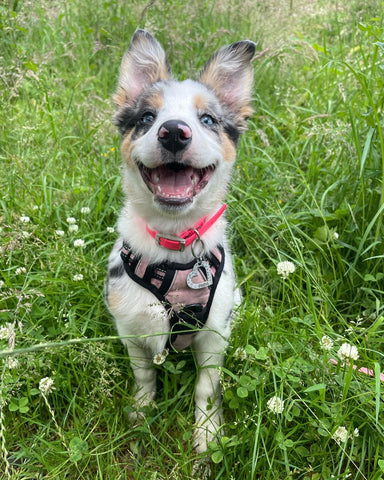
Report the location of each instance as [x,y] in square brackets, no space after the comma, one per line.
[308,188]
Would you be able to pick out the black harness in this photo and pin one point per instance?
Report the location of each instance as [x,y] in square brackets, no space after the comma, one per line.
[187,308]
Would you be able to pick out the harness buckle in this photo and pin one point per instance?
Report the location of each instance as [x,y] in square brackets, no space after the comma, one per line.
[171,242]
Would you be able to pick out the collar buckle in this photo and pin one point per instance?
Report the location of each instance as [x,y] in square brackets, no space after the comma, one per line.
[170,242]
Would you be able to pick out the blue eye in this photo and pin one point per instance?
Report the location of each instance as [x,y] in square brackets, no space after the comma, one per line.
[148,118]
[207,120]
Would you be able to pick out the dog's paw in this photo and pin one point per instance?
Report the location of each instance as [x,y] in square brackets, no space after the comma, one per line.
[140,411]
[136,417]
[202,468]
[207,429]
[201,438]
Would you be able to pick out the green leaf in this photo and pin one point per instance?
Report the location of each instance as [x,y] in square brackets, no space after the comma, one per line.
[250,350]
[30,66]
[289,443]
[212,445]
[302,451]
[369,278]
[78,448]
[171,368]
[242,392]
[181,365]
[322,234]
[217,456]
[262,353]
[13,407]
[381,465]
[315,388]
[367,148]
[23,402]
[234,403]
[245,380]
[279,437]
[318,47]
[187,435]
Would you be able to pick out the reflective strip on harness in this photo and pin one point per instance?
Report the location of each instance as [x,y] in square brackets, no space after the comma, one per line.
[187,308]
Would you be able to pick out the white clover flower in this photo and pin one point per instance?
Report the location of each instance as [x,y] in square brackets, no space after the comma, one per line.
[160,357]
[78,277]
[347,352]
[85,210]
[71,220]
[240,353]
[326,343]
[60,233]
[73,228]
[341,435]
[275,405]
[26,234]
[79,243]
[355,433]
[285,268]
[35,207]
[110,229]
[46,385]
[335,236]
[24,219]
[21,271]
[2,284]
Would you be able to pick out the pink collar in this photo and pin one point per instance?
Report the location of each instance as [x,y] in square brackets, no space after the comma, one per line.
[185,238]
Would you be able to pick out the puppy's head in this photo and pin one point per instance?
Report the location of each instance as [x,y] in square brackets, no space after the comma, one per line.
[179,138]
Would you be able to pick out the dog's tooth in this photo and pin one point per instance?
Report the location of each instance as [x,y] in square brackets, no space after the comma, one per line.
[195,178]
[158,188]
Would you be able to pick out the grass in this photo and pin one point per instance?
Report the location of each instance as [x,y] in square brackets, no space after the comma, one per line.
[308,188]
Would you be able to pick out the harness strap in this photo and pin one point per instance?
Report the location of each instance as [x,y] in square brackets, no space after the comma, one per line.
[188,309]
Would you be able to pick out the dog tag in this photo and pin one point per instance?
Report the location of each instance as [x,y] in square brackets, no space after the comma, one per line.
[201,266]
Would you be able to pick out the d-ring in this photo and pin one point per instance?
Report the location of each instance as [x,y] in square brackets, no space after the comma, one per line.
[202,246]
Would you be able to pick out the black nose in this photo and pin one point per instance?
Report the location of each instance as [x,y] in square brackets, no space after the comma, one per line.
[174,135]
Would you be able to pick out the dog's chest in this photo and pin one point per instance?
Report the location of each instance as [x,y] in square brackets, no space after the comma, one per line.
[186,291]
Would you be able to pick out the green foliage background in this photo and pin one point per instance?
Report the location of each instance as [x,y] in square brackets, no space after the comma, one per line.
[308,188]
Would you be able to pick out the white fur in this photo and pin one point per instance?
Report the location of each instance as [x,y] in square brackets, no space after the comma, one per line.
[140,318]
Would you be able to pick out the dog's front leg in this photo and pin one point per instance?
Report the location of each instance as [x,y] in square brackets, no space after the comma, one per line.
[208,413]
[145,378]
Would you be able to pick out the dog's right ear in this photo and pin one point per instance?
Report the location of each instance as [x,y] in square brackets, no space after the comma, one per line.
[143,64]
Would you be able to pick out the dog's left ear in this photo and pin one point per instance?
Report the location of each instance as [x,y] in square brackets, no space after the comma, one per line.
[229,74]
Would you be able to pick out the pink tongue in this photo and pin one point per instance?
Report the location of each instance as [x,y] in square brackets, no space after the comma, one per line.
[173,184]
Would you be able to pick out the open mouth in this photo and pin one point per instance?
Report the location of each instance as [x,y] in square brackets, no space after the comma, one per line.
[175,183]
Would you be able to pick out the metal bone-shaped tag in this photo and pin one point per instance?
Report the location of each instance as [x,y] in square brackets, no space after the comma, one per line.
[201,266]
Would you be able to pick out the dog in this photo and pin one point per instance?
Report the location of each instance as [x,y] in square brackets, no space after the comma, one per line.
[170,279]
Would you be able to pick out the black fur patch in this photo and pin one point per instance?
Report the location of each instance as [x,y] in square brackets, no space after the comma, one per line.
[232,131]
[117,271]
[126,119]
[131,119]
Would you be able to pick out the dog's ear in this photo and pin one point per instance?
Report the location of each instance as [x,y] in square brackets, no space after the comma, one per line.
[229,74]
[144,63]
